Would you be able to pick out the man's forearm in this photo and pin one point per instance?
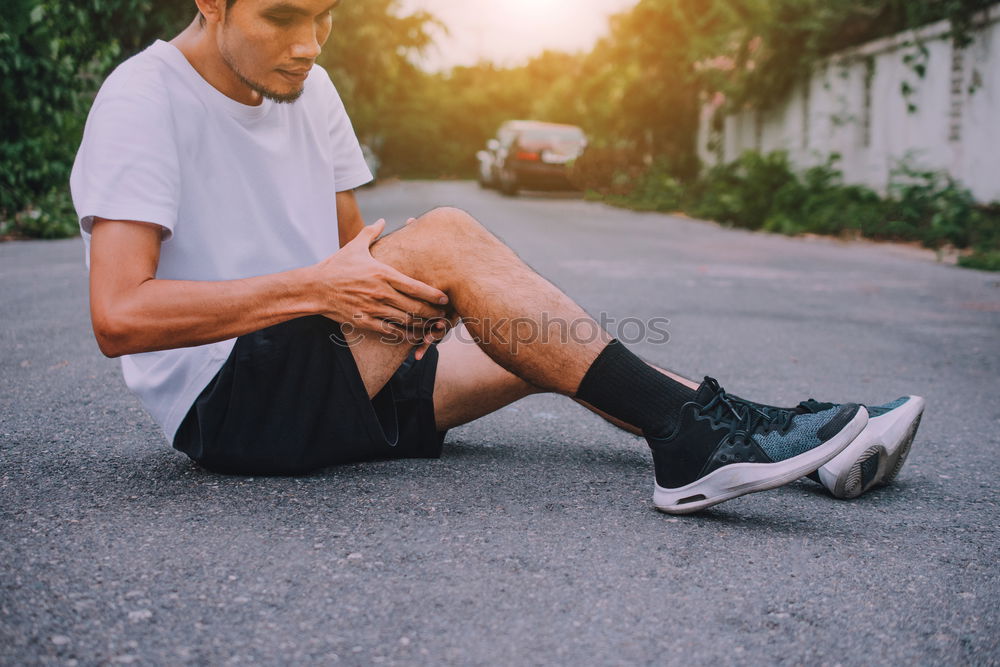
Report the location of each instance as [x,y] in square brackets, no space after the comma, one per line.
[166,314]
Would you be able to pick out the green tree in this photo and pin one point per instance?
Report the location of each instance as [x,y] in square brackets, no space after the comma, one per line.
[637,93]
[53,56]
[370,57]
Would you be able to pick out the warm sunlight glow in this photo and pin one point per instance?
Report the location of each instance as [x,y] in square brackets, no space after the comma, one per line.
[511,31]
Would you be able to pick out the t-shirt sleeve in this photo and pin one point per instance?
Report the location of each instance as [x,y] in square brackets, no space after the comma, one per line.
[127,167]
[350,169]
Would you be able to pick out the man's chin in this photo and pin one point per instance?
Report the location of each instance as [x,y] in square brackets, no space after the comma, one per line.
[282,98]
[282,94]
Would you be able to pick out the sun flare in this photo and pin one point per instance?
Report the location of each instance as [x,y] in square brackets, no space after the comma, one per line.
[512,31]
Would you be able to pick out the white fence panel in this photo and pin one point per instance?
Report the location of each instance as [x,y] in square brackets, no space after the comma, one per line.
[853,105]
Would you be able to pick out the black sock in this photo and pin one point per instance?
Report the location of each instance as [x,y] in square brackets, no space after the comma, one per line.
[627,388]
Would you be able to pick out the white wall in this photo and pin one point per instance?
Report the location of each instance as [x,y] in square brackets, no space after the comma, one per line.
[838,111]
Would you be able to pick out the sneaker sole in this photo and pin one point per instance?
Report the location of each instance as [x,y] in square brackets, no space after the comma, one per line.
[739,479]
[877,455]
[903,451]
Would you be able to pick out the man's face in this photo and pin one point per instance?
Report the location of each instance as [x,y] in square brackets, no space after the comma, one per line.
[270,45]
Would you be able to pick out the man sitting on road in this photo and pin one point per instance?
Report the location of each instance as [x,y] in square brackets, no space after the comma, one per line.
[269,331]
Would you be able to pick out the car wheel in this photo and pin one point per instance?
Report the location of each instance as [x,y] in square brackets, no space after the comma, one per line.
[508,184]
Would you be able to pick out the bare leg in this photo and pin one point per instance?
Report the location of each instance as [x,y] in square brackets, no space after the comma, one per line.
[470,385]
[500,299]
[522,321]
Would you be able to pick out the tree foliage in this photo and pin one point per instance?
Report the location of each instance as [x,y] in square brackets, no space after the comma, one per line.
[757,50]
[637,93]
[424,124]
[53,55]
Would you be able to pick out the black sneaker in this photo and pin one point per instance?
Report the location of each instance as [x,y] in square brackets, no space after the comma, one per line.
[723,448]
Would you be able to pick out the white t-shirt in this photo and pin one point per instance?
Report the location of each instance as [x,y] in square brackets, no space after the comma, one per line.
[239,190]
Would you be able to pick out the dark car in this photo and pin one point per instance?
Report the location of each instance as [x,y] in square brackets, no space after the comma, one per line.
[531,155]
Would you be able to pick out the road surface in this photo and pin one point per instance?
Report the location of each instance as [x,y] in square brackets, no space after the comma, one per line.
[533,540]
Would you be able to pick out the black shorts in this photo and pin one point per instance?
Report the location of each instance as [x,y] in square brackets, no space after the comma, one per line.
[290,399]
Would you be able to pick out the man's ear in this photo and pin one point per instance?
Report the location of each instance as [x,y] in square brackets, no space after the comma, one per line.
[214,11]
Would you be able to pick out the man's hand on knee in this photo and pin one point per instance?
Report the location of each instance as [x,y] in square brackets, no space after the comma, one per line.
[354,287]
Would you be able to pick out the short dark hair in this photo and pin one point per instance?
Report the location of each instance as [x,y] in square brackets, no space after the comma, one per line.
[201,17]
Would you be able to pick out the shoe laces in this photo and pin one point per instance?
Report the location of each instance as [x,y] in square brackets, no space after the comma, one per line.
[780,418]
[743,417]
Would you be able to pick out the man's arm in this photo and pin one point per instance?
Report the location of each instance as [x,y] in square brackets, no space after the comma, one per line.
[350,222]
[132,311]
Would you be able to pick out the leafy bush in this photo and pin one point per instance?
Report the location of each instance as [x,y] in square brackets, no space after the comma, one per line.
[53,56]
[45,68]
[656,191]
[984,260]
[50,216]
[820,203]
[742,192]
[933,208]
[762,192]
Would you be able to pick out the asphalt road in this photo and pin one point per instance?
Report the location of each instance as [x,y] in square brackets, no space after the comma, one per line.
[533,540]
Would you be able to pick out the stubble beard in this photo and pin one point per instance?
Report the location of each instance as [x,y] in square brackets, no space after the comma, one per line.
[280,98]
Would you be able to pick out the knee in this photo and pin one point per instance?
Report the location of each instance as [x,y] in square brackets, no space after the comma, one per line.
[452,223]
[443,233]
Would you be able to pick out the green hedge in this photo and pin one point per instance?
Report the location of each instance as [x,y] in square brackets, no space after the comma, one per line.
[763,192]
[53,56]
